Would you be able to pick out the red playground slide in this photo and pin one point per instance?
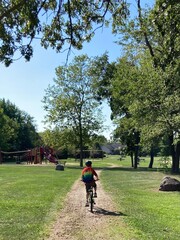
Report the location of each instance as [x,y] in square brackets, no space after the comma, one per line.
[51,158]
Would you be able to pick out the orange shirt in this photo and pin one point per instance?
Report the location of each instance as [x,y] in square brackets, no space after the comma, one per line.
[88,174]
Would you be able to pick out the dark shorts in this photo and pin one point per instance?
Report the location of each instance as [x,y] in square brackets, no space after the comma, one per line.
[88,185]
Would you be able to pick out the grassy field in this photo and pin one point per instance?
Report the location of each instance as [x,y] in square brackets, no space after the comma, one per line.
[147,212]
[30,198]
[32,195]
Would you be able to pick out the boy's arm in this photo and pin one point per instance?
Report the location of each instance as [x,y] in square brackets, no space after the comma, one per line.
[95,174]
[82,173]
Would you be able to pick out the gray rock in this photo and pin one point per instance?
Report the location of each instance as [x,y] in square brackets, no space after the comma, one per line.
[169,184]
[59,167]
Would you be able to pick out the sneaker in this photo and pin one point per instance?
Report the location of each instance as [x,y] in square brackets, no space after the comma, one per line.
[87,204]
[95,195]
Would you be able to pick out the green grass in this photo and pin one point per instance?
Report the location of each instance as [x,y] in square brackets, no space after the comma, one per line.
[148,213]
[31,197]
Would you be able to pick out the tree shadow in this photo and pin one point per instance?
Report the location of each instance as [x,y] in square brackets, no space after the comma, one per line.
[107,212]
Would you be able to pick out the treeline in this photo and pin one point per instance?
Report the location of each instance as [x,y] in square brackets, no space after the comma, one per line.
[18,130]
[142,87]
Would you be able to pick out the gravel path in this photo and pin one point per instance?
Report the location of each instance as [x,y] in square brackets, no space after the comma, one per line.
[76,222]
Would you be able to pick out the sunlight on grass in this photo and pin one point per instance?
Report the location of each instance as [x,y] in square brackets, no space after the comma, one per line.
[32,196]
[151,214]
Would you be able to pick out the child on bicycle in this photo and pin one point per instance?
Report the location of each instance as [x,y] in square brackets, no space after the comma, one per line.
[88,174]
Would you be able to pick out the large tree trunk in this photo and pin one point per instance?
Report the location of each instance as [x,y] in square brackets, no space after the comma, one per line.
[151,159]
[132,160]
[136,156]
[0,157]
[176,164]
[174,154]
[81,152]
[136,147]
[81,145]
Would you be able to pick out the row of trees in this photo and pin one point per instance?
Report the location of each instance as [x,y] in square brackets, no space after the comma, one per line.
[18,131]
[142,87]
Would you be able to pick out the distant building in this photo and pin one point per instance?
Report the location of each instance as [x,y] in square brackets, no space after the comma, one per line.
[111,148]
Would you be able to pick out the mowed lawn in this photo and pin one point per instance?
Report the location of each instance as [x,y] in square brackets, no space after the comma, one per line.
[31,196]
[147,212]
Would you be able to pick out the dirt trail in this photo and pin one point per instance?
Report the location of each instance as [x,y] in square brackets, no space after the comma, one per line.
[76,222]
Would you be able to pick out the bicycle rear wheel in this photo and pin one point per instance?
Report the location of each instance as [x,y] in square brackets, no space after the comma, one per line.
[91,200]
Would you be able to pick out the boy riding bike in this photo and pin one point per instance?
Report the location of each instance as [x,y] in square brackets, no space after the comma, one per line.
[88,174]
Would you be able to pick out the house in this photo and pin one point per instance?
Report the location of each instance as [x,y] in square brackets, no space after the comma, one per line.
[112,148]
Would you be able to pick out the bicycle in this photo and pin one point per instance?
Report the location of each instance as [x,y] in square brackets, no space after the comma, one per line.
[90,190]
[91,198]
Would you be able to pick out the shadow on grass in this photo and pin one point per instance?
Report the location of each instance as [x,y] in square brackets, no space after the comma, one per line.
[106,212]
[139,169]
[130,169]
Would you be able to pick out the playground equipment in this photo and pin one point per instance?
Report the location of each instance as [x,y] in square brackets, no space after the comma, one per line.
[51,158]
[13,156]
[35,155]
[39,153]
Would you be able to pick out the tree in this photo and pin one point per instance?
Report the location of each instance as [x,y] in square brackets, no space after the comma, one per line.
[156,110]
[57,24]
[122,85]
[71,102]
[149,93]
[60,140]
[7,131]
[18,131]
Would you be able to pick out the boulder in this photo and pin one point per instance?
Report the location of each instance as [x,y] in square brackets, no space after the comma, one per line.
[169,184]
[59,167]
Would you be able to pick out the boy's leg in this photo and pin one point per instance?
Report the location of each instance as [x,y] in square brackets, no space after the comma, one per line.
[95,189]
[87,196]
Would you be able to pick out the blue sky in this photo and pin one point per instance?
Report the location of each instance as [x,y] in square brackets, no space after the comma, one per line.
[23,83]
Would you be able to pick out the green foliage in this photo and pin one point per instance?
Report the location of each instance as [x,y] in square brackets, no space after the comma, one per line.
[144,88]
[97,140]
[55,23]
[60,140]
[18,131]
[154,108]
[165,23]
[71,103]
[165,163]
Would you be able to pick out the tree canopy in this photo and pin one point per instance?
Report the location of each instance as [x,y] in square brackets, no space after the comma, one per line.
[57,24]
[71,102]
[143,87]
[18,130]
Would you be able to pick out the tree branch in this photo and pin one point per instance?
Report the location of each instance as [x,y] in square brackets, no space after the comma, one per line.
[143,30]
[15,7]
